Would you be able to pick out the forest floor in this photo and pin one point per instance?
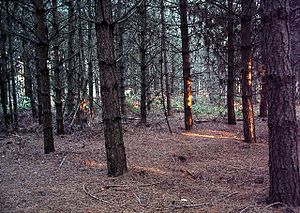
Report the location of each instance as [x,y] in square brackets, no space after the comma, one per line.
[208,169]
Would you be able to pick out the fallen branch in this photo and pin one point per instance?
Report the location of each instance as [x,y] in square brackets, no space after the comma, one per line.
[63,160]
[91,195]
[278,203]
[244,209]
[211,203]
[138,199]
[141,185]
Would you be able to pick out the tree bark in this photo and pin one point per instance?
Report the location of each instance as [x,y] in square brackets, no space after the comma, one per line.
[247,75]
[57,72]
[42,47]
[187,99]
[231,74]
[115,150]
[282,122]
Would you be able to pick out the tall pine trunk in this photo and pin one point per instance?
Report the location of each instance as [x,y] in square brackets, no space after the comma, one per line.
[42,56]
[143,65]
[282,122]
[187,99]
[247,74]
[57,72]
[231,73]
[115,150]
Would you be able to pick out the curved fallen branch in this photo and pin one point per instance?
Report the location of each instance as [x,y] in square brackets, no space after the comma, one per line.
[91,195]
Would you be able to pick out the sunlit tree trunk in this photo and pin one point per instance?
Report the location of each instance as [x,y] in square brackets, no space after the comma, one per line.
[42,47]
[143,66]
[165,57]
[115,150]
[231,74]
[57,72]
[71,69]
[247,74]
[282,122]
[188,119]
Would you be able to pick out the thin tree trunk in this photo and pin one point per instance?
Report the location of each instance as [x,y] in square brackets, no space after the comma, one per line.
[247,75]
[115,150]
[90,63]
[28,77]
[188,119]
[282,121]
[42,56]
[81,56]
[263,107]
[3,79]
[165,58]
[39,92]
[57,73]
[71,65]
[13,74]
[14,90]
[143,66]
[231,74]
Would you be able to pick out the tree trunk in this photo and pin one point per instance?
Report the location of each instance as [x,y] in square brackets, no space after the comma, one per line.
[165,58]
[120,57]
[39,91]
[143,66]
[247,79]
[13,82]
[263,107]
[231,74]
[28,77]
[57,72]
[71,65]
[42,56]
[187,99]
[282,122]
[3,79]
[90,64]
[115,150]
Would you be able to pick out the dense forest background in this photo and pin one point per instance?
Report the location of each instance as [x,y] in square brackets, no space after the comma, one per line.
[85,65]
